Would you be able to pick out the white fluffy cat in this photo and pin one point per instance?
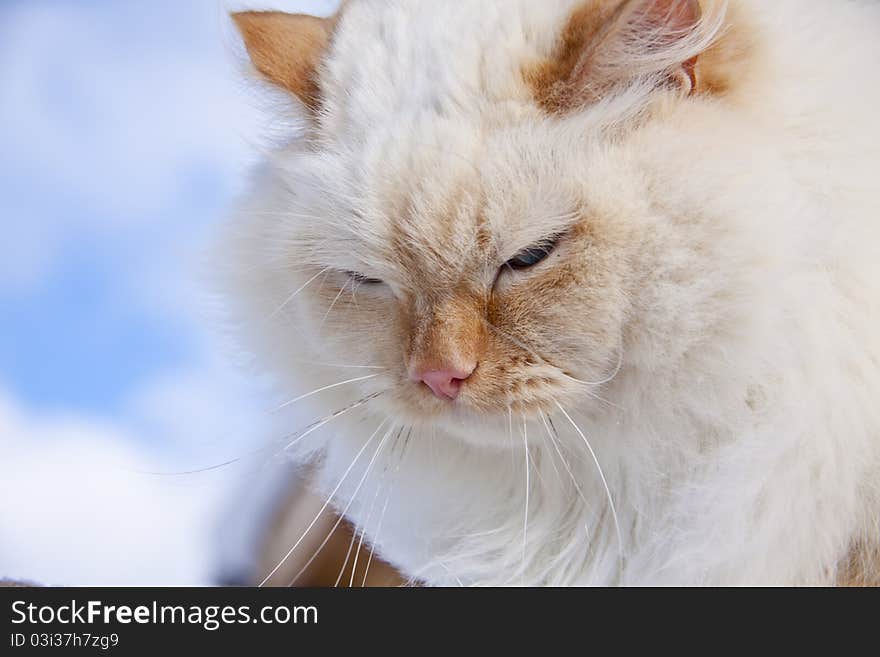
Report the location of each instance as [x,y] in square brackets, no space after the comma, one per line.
[589,290]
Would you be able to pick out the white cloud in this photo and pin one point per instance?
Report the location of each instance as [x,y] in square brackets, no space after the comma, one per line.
[106,125]
[113,115]
[82,501]
[77,506]
[205,410]
[316,7]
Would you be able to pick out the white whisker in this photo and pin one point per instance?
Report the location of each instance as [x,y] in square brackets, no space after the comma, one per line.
[326,504]
[519,343]
[329,387]
[347,554]
[385,507]
[351,500]
[415,576]
[363,531]
[454,576]
[341,366]
[608,379]
[604,483]
[510,437]
[526,513]
[552,460]
[565,464]
[320,423]
[293,296]
[332,306]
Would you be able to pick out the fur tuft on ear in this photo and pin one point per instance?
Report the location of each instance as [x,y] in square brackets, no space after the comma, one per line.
[286,49]
[603,48]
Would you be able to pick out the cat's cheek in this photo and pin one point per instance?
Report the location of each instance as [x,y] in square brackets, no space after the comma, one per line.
[354,328]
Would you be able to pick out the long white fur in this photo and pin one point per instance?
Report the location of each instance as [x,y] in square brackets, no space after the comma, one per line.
[741,438]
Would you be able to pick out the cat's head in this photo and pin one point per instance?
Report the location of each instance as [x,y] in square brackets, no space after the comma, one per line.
[472,209]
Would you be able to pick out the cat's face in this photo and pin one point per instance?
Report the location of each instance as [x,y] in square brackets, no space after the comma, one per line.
[476,260]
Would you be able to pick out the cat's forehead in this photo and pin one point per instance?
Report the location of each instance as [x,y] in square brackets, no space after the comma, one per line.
[443,197]
[435,154]
[427,58]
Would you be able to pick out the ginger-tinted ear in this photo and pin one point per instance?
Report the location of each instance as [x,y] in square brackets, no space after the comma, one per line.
[603,47]
[287,49]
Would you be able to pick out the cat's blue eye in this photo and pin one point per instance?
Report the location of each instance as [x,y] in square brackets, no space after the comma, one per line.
[363,279]
[534,254]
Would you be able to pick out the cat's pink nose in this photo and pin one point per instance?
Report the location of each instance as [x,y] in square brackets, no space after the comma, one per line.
[445,383]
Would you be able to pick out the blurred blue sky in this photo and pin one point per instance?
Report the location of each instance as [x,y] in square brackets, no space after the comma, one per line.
[125,133]
[122,136]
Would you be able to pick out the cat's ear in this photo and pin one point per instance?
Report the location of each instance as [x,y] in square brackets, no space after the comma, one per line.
[603,47]
[287,49]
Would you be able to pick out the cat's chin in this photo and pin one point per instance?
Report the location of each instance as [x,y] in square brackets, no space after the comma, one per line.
[482,430]
[476,429]
[460,421]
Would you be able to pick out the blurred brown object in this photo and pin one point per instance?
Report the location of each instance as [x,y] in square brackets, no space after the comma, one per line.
[862,567]
[332,564]
[12,584]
